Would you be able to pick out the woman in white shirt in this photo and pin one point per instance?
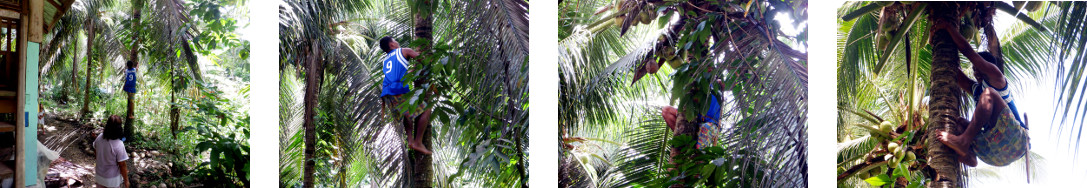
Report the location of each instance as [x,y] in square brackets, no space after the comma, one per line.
[110,155]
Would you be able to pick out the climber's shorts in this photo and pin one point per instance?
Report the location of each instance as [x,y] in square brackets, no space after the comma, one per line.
[390,103]
[707,135]
[1003,141]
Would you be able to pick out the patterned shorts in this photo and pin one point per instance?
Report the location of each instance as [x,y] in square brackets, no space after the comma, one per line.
[1003,141]
[707,135]
[389,102]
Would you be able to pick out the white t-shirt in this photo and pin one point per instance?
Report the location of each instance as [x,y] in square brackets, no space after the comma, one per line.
[107,154]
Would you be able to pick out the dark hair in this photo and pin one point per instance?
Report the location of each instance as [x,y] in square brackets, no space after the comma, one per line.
[384,43]
[989,57]
[130,64]
[114,129]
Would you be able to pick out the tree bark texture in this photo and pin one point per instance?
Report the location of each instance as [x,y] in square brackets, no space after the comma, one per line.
[313,85]
[175,113]
[74,87]
[90,62]
[422,169]
[130,113]
[944,106]
[683,127]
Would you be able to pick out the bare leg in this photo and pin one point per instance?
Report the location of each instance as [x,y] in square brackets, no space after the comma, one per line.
[421,124]
[970,158]
[409,127]
[669,113]
[989,104]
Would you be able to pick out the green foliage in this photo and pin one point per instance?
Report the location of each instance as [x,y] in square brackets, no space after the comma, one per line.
[221,128]
[212,103]
[611,88]
[217,31]
[883,180]
[893,92]
[707,167]
[473,77]
[229,155]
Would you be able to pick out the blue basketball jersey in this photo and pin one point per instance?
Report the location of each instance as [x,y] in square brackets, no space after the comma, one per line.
[130,80]
[714,113]
[394,66]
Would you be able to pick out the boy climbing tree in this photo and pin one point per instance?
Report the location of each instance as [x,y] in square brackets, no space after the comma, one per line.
[394,67]
[708,127]
[996,134]
[130,90]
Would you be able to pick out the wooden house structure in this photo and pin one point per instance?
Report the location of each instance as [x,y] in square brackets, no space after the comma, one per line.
[22,25]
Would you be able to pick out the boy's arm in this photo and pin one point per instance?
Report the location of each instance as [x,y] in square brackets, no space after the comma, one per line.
[964,83]
[996,78]
[409,53]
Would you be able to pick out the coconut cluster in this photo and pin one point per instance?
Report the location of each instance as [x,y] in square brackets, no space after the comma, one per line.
[889,22]
[668,53]
[896,154]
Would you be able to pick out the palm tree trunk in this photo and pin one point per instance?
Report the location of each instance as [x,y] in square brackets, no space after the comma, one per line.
[683,127]
[130,111]
[175,113]
[313,84]
[90,61]
[75,72]
[944,107]
[422,171]
[522,169]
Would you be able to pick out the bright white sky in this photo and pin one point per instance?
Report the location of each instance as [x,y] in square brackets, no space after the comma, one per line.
[1035,97]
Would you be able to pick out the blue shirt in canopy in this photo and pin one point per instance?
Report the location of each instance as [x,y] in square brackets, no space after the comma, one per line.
[714,113]
[394,66]
[130,80]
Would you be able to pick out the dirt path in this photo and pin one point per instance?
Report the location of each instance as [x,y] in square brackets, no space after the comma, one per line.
[73,141]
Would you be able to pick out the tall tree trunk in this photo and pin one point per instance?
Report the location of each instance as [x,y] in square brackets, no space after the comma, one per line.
[945,103]
[522,169]
[175,113]
[421,164]
[90,62]
[313,84]
[75,72]
[135,58]
[683,127]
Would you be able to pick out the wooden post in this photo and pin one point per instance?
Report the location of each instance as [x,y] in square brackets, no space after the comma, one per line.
[36,22]
[35,27]
[26,160]
[21,117]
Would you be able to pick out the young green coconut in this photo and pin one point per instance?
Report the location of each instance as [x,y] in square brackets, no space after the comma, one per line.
[889,21]
[648,15]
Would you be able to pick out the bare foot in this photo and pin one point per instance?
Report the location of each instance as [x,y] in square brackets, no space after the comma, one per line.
[954,142]
[419,147]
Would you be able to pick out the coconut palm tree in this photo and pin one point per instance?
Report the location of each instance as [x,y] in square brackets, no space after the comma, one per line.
[613,81]
[167,18]
[424,23]
[117,30]
[95,26]
[305,48]
[474,83]
[134,56]
[887,51]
